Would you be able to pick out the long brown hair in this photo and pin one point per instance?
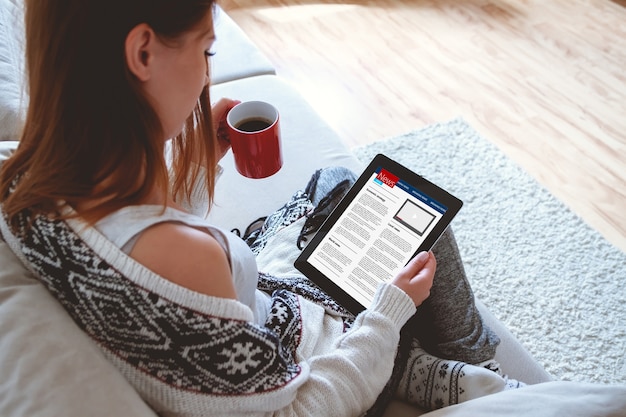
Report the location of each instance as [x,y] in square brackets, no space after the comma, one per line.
[87,119]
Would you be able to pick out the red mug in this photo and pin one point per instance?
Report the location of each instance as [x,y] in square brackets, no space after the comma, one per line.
[254,133]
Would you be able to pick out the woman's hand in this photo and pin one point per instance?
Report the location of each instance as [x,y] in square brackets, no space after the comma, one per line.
[219,111]
[416,278]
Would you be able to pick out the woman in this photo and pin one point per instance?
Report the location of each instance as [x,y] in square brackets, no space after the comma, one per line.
[97,202]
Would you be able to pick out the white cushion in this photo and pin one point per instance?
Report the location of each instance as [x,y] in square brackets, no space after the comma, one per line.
[12,98]
[236,56]
[550,399]
[49,367]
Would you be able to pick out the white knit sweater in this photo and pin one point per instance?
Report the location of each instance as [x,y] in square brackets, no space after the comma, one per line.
[189,354]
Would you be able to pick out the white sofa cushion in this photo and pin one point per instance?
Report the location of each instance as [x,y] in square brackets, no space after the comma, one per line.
[12,98]
[550,399]
[49,367]
[236,56]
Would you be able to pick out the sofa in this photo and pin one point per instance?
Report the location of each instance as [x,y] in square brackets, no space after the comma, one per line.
[48,367]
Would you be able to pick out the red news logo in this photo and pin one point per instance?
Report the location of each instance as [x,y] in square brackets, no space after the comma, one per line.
[387,178]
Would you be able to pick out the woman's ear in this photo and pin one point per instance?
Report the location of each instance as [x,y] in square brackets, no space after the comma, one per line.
[139,49]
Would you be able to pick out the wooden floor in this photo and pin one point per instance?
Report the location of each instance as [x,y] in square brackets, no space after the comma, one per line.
[545,81]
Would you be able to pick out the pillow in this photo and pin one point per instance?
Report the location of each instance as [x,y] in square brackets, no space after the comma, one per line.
[48,366]
[12,99]
[236,56]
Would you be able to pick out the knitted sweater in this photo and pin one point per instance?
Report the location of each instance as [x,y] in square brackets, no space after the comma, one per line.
[189,354]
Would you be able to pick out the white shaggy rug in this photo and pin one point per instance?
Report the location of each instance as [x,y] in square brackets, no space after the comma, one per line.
[558,285]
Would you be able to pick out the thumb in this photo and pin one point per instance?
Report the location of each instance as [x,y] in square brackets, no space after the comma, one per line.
[415,265]
[420,259]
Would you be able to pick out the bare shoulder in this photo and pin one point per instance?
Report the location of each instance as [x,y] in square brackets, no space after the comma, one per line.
[186,256]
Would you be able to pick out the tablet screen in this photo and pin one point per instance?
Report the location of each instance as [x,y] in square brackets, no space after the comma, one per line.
[387,217]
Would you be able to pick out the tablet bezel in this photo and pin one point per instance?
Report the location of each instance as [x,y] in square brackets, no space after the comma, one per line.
[452,203]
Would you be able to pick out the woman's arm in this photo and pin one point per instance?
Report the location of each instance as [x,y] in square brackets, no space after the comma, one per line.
[348,380]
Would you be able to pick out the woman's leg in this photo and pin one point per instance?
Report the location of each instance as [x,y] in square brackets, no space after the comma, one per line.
[451,357]
[448,324]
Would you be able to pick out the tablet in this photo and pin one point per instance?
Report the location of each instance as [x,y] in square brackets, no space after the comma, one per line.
[388,216]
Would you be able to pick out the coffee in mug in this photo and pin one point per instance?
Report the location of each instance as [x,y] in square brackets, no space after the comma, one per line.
[254,133]
[254,125]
